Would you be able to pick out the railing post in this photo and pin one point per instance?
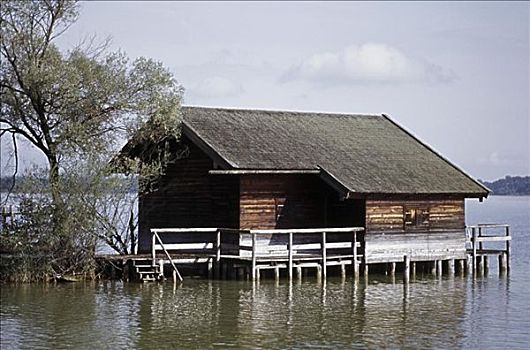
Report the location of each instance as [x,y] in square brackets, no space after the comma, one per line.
[290,256]
[153,251]
[480,246]
[474,245]
[218,255]
[508,248]
[324,256]
[253,255]
[355,262]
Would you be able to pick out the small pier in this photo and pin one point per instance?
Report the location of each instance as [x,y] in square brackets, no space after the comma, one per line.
[293,253]
[480,246]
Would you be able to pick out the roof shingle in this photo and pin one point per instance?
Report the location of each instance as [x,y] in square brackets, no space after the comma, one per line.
[366,153]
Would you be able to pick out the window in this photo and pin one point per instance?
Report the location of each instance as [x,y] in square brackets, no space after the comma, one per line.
[416,218]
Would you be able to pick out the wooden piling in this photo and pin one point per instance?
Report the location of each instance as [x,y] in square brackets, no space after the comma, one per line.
[439,268]
[480,265]
[461,267]
[433,268]
[486,264]
[299,273]
[324,256]
[343,271]
[218,255]
[277,273]
[210,268]
[406,269]
[290,267]
[319,272]
[254,272]
[355,263]
[508,248]
[392,267]
[474,246]
[503,263]
[451,267]
[413,272]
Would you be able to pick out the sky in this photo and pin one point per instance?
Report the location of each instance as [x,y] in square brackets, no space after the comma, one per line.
[455,74]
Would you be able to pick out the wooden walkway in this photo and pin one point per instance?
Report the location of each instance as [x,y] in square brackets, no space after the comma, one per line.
[481,235]
[247,254]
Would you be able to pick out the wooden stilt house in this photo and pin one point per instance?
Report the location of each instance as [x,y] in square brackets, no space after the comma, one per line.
[259,169]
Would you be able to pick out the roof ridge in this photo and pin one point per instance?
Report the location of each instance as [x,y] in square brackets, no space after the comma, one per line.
[343,114]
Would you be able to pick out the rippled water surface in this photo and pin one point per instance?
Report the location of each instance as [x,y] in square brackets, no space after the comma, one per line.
[488,312]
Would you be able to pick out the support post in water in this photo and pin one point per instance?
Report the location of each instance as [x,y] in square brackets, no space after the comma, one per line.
[433,268]
[218,255]
[461,267]
[503,263]
[451,267]
[299,273]
[474,245]
[392,269]
[324,256]
[253,256]
[355,263]
[290,267]
[508,248]
[406,269]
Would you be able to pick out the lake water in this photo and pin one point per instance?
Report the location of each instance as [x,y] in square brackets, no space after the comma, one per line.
[488,312]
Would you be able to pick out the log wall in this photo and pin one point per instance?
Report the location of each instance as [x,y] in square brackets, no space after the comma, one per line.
[387,239]
[281,201]
[189,197]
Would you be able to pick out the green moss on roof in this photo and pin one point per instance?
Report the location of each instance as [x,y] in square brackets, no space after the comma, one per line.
[366,153]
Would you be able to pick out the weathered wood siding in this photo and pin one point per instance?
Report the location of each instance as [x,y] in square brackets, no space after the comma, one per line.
[281,201]
[189,197]
[387,239]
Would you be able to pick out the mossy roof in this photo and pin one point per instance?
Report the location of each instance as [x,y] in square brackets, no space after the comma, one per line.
[363,153]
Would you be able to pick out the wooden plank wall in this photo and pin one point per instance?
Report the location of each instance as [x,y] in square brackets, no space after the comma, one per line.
[189,197]
[281,201]
[387,240]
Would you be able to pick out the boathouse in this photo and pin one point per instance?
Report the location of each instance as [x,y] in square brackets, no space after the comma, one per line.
[267,170]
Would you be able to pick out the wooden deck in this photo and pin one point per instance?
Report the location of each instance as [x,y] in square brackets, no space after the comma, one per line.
[246,254]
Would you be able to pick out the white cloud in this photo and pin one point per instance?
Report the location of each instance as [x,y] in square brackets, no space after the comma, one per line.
[216,87]
[370,62]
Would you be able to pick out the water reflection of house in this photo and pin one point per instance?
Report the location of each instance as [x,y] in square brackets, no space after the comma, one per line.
[257,169]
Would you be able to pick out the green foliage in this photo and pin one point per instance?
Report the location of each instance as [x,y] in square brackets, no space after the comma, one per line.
[78,107]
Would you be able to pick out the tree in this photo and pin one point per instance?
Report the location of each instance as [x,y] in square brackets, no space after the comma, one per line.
[78,106]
